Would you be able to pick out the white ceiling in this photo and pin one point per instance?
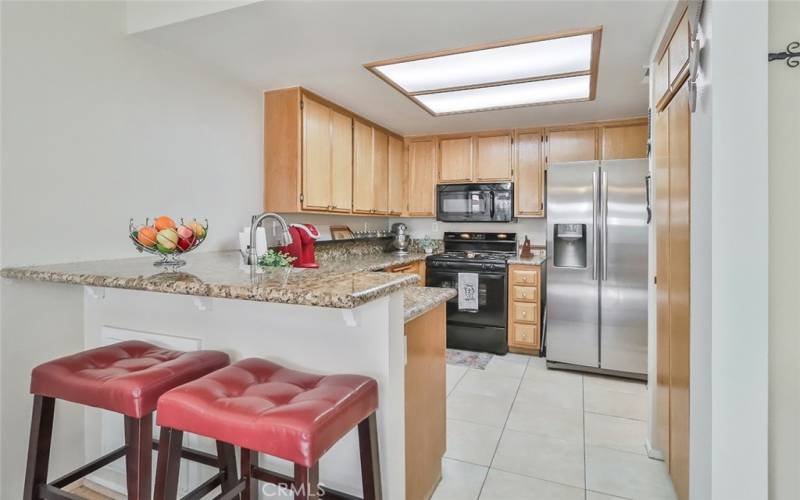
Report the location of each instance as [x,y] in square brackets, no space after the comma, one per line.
[323,45]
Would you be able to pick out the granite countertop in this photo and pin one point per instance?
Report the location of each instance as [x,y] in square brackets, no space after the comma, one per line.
[341,284]
[420,299]
[536,260]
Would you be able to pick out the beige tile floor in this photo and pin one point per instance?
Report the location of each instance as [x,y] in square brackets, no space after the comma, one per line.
[517,430]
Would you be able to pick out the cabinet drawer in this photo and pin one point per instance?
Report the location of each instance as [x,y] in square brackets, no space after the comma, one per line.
[525,335]
[526,293]
[526,312]
[525,277]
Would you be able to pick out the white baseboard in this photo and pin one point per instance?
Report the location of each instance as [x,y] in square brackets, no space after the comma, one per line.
[653,453]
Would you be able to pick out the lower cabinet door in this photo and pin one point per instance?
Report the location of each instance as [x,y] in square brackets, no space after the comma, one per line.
[525,335]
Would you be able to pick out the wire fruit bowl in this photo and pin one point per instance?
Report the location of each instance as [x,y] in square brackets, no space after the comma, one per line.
[170,241]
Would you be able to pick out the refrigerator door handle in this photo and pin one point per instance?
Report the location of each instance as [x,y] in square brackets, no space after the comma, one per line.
[596,233]
[647,181]
[604,216]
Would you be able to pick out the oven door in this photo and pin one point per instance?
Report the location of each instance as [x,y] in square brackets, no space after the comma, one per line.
[492,292]
[481,330]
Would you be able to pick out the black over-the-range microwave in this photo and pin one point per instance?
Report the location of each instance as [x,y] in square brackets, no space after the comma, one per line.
[475,202]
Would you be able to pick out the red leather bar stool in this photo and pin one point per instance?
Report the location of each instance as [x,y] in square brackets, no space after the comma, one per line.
[127,378]
[263,407]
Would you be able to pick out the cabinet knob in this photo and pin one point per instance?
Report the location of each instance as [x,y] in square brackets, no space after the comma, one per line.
[524,294]
[524,314]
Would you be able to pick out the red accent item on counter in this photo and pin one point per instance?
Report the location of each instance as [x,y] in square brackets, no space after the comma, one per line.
[304,237]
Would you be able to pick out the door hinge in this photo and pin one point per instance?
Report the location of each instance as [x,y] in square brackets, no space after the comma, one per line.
[655,280]
[301,197]
[301,104]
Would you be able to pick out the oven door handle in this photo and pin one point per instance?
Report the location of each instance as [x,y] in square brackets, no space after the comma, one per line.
[491,205]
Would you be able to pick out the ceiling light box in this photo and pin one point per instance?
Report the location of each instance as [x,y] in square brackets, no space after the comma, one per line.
[548,69]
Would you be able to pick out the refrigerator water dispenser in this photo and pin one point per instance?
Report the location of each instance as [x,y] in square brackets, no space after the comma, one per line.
[569,245]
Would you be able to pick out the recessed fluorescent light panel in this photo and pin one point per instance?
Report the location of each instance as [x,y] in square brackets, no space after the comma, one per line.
[525,72]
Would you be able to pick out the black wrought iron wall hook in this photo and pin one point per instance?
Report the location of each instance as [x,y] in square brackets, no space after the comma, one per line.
[792,55]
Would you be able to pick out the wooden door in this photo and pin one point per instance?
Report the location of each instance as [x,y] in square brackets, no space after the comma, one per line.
[422,177]
[661,220]
[316,156]
[679,284]
[529,185]
[397,177]
[341,162]
[624,142]
[380,175]
[363,180]
[493,157]
[571,145]
[455,159]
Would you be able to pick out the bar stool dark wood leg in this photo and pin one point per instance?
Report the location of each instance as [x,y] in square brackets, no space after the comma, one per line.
[39,446]
[227,465]
[139,457]
[306,482]
[370,462]
[249,464]
[168,464]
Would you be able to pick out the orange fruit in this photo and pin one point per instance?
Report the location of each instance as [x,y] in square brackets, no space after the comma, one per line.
[164,222]
[147,236]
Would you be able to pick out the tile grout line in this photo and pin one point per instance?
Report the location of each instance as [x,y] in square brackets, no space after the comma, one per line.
[583,419]
[503,431]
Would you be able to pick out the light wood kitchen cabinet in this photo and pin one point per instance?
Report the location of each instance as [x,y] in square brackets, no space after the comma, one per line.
[679,51]
[317,148]
[417,268]
[566,145]
[370,169]
[397,177]
[529,171]
[622,142]
[672,155]
[673,66]
[493,157]
[524,314]
[310,154]
[341,163]
[455,159]
[327,158]
[421,156]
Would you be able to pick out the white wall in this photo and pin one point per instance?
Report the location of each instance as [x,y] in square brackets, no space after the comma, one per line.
[739,255]
[784,272]
[536,229]
[100,127]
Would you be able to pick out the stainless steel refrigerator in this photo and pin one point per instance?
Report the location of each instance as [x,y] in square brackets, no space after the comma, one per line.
[597,217]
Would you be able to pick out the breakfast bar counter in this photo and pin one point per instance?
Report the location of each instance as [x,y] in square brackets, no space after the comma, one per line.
[340,318]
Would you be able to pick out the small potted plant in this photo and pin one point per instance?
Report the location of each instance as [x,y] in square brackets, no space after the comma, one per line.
[277,264]
[427,244]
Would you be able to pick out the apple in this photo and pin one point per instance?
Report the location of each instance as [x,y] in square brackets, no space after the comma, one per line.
[186,238]
[163,249]
[167,239]
[198,229]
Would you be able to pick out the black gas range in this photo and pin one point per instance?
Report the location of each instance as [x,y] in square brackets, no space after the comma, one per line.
[485,255]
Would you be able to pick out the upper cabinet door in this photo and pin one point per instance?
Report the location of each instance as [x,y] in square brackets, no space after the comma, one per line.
[625,142]
[493,161]
[341,162]
[397,177]
[455,162]
[572,145]
[661,78]
[363,181]
[529,186]
[380,175]
[421,177]
[316,156]
[678,51]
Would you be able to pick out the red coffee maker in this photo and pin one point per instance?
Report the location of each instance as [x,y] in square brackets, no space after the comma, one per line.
[302,246]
